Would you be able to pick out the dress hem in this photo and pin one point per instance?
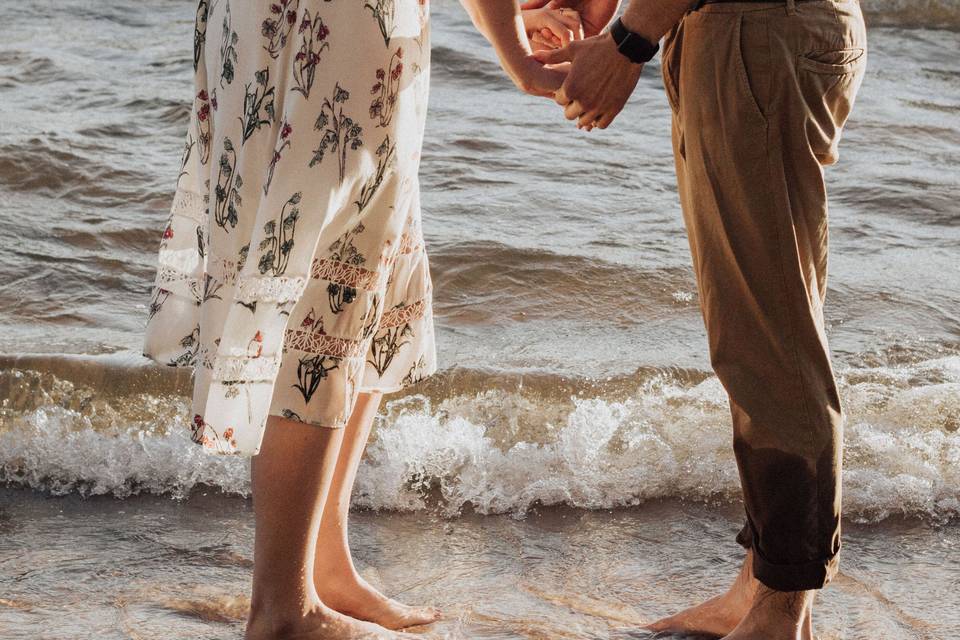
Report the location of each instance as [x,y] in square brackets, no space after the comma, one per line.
[386,390]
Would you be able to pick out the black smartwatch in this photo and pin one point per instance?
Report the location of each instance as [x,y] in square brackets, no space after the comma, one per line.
[633,45]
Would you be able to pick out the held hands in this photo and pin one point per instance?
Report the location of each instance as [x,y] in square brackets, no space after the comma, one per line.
[594,14]
[534,77]
[599,81]
[547,29]
[501,22]
[599,78]
[550,28]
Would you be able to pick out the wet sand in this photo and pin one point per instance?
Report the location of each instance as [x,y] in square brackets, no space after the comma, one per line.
[155,568]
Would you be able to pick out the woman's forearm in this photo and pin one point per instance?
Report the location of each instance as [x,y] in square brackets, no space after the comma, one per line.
[501,23]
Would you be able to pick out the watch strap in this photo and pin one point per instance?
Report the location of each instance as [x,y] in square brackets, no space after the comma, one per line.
[633,45]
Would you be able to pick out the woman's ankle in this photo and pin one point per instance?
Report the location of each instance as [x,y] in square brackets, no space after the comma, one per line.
[333,563]
[274,609]
[280,619]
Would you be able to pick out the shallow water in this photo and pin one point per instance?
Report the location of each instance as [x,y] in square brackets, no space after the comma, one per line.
[567,313]
[157,569]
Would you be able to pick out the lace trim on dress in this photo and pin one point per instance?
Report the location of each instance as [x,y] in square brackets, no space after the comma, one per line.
[404,314]
[190,205]
[323,344]
[179,268]
[241,368]
[176,273]
[346,274]
[278,289]
[174,281]
[168,276]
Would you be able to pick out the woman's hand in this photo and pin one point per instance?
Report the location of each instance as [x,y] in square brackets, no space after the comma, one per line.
[550,28]
[533,77]
[595,14]
[501,23]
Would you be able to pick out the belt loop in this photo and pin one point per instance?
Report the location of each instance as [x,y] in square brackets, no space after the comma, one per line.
[791,7]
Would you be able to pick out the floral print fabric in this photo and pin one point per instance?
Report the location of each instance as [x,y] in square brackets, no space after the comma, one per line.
[292,273]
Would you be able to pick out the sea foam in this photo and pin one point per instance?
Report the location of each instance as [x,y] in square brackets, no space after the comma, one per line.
[506,451]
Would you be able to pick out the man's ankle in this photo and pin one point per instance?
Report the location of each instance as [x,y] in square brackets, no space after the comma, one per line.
[744,589]
[788,607]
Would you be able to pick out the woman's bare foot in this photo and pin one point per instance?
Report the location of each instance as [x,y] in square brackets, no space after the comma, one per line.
[777,615]
[717,616]
[291,479]
[335,578]
[320,623]
[347,592]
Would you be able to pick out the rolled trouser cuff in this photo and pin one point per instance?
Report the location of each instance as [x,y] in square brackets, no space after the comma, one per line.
[803,576]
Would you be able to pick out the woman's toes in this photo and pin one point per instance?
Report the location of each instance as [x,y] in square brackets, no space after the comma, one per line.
[421,615]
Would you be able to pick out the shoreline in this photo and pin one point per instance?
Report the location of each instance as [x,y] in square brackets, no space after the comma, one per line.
[501,443]
[131,568]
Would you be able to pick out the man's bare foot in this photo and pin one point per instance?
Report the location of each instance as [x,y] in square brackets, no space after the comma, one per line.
[777,615]
[717,616]
[347,592]
[320,623]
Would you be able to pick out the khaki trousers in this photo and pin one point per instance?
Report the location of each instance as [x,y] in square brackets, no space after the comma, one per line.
[760,93]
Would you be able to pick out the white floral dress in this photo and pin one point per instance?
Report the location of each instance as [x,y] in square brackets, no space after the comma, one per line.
[292,274]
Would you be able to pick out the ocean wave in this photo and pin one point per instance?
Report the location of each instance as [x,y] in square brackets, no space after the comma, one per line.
[489,283]
[914,13]
[463,67]
[23,68]
[508,447]
[50,166]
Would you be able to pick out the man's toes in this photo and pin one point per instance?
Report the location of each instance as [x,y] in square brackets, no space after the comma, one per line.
[662,624]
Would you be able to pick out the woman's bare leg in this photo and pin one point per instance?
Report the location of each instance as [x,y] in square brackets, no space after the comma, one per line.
[336,578]
[291,481]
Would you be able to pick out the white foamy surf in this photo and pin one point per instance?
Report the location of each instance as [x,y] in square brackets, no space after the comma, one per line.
[500,451]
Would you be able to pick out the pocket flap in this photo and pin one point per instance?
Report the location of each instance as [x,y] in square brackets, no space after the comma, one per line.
[835,62]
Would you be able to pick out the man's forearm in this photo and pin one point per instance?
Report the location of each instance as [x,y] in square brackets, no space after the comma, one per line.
[652,19]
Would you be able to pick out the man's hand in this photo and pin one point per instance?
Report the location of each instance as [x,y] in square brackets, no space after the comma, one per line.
[595,14]
[599,82]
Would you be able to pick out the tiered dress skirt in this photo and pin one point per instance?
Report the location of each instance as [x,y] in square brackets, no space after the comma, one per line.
[292,273]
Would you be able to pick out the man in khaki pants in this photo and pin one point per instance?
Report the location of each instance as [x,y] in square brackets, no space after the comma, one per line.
[759,93]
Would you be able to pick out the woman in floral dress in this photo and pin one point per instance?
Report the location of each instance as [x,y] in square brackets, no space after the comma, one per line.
[292,273]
